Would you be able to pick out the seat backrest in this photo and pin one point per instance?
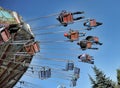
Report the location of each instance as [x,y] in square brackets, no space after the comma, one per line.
[67,18]
[5,35]
[74,35]
[36,47]
[89,44]
[29,49]
[92,22]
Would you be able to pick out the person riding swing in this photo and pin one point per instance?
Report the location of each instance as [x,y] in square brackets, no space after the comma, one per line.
[67,17]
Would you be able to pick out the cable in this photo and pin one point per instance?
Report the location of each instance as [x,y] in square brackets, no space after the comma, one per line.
[54,25]
[62,60]
[34,19]
[17,87]
[50,33]
[60,48]
[58,32]
[27,84]
[46,27]
[24,54]
[69,54]
[58,41]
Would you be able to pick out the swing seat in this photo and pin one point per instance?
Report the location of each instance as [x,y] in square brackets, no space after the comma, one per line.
[75,35]
[67,18]
[4,35]
[89,45]
[32,48]
[93,23]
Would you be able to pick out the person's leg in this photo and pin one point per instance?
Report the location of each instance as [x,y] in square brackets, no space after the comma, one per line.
[78,18]
[93,48]
[89,38]
[77,13]
[89,28]
[82,34]
[98,23]
[99,43]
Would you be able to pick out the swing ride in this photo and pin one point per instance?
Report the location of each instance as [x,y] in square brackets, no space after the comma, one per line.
[18,46]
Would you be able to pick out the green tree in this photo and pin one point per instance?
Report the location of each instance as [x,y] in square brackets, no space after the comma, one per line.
[101,81]
[118,78]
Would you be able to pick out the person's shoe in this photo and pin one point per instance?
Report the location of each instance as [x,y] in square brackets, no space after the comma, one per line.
[82,17]
[82,12]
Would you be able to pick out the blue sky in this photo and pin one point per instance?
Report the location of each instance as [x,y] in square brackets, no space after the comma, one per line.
[106,58]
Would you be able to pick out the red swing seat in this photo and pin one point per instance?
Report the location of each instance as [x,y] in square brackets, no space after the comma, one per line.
[67,18]
[93,23]
[32,48]
[75,35]
[4,35]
